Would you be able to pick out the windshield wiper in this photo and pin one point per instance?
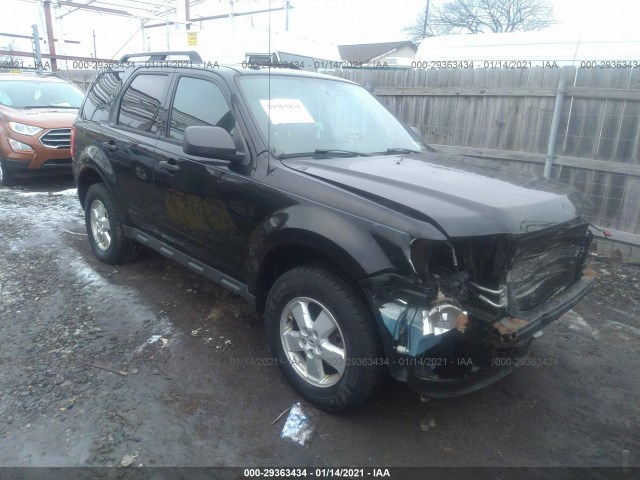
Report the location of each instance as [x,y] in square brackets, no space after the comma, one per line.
[323,151]
[391,151]
[326,151]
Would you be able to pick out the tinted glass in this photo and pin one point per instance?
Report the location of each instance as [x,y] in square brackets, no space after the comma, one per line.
[141,101]
[100,97]
[199,103]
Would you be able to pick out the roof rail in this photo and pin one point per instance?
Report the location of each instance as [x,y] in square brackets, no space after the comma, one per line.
[161,56]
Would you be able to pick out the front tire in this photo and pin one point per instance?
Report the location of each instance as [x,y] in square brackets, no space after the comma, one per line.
[104,228]
[6,178]
[325,341]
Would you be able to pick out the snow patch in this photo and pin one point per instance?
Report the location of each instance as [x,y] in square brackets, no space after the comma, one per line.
[624,327]
[70,192]
[577,322]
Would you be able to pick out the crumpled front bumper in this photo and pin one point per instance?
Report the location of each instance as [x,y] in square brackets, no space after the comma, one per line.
[446,370]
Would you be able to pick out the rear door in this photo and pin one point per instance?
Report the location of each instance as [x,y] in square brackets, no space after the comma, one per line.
[129,145]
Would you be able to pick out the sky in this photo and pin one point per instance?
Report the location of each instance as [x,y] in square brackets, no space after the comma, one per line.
[327,21]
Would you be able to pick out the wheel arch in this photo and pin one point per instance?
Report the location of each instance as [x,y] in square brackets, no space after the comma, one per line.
[87,177]
[303,248]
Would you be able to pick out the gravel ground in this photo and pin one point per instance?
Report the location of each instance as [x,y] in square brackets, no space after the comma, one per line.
[149,364]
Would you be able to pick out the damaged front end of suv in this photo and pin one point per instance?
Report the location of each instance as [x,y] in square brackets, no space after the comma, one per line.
[469,312]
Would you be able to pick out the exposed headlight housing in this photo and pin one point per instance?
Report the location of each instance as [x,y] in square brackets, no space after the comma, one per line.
[428,256]
[442,317]
[24,129]
[17,146]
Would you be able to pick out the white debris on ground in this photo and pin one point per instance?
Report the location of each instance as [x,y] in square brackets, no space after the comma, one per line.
[427,422]
[153,339]
[128,459]
[298,426]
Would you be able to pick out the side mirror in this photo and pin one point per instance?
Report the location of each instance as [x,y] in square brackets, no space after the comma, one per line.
[209,142]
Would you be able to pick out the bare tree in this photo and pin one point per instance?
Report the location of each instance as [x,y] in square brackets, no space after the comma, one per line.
[417,31]
[481,16]
[9,59]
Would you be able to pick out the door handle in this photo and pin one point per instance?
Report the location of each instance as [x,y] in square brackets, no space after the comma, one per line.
[169,165]
[110,146]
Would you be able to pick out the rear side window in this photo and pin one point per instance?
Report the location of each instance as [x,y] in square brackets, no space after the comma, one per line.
[199,103]
[100,97]
[140,107]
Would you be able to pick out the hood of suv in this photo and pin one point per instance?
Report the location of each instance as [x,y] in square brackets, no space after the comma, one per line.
[452,192]
[42,117]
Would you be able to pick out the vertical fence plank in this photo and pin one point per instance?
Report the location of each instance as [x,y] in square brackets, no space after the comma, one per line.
[513,114]
[530,112]
[546,107]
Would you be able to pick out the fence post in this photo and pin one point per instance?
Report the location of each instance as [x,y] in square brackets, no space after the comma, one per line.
[555,123]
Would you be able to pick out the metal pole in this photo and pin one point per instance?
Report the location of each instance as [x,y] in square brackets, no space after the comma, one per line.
[95,54]
[555,123]
[61,47]
[144,40]
[286,15]
[167,32]
[50,39]
[36,48]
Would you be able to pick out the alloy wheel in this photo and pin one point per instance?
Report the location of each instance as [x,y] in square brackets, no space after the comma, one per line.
[313,342]
[100,226]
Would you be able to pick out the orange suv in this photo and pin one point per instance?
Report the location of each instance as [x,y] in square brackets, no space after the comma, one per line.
[36,114]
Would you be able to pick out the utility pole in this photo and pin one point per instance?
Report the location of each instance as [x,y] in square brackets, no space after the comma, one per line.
[426,19]
[95,54]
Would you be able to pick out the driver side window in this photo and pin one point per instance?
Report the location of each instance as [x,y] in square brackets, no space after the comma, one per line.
[199,103]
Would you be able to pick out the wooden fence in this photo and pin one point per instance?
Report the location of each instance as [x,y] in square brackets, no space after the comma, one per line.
[505,116]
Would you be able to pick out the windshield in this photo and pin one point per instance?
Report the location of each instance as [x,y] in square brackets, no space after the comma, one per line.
[311,116]
[34,94]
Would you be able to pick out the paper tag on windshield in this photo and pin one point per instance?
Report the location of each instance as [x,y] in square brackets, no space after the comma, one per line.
[286,110]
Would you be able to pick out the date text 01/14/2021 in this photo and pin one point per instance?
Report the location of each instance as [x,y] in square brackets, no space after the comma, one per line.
[317,472]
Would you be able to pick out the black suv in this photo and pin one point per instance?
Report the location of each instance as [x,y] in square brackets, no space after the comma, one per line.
[367,251]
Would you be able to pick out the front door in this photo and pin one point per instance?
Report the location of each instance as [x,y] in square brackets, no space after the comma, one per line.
[207,212]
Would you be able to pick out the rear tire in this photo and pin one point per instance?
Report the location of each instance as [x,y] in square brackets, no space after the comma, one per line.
[104,228]
[325,341]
